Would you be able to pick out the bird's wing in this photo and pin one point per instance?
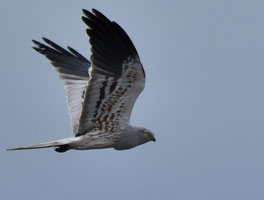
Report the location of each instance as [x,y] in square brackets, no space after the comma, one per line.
[117,76]
[73,71]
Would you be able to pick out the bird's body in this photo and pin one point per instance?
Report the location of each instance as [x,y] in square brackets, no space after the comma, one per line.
[101,93]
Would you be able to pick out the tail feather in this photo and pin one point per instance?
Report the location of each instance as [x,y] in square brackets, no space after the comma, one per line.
[56,143]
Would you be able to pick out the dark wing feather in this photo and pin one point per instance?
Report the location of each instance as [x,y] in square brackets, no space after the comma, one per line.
[73,71]
[117,76]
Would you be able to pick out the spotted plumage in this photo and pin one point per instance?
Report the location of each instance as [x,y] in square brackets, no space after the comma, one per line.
[101,93]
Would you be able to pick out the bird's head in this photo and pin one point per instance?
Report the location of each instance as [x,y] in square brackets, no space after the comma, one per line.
[133,136]
[148,135]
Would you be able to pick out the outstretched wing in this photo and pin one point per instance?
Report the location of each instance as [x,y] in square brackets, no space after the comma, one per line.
[73,71]
[117,76]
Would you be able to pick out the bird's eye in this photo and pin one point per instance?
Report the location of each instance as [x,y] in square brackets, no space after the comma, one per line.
[146,133]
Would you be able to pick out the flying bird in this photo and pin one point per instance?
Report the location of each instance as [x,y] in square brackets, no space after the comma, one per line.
[101,93]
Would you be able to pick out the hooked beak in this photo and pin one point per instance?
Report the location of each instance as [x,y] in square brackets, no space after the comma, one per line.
[153,139]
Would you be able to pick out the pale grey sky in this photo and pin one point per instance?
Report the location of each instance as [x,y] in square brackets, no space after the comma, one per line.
[203,100]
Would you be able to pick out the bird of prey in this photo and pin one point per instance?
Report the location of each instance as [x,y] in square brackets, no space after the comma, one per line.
[101,93]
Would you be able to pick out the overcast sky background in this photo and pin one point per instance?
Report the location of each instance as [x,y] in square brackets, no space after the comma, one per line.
[203,100]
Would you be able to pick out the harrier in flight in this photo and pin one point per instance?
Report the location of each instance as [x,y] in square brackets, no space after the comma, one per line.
[101,93]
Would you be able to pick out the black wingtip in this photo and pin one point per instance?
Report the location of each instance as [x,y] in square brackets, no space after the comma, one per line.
[88,31]
[38,44]
[97,12]
[100,15]
[94,10]
[84,19]
[35,42]
[45,39]
[85,12]
[49,42]
[38,50]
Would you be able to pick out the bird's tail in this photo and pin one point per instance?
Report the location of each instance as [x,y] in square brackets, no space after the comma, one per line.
[65,143]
